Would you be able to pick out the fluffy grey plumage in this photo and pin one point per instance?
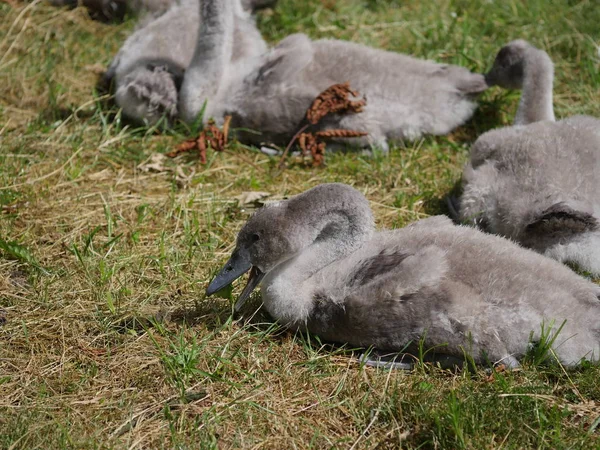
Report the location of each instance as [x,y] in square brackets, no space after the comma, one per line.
[406,97]
[537,182]
[148,69]
[326,270]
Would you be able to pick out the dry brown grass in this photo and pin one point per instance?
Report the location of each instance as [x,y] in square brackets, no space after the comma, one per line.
[108,340]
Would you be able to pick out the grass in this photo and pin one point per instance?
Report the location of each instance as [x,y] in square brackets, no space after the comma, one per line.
[106,338]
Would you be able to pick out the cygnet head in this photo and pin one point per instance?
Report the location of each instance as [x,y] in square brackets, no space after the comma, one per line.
[508,70]
[266,237]
[149,91]
[281,230]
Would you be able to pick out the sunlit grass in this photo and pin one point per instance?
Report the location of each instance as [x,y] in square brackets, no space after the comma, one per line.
[109,340]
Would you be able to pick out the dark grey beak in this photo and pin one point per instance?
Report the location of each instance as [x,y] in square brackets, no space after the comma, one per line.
[238,265]
[254,280]
[490,79]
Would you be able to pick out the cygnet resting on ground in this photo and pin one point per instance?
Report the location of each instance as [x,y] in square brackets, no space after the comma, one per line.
[268,92]
[538,181]
[324,269]
[406,97]
[147,71]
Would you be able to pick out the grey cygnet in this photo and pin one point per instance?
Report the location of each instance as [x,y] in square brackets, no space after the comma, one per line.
[322,267]
[537,182]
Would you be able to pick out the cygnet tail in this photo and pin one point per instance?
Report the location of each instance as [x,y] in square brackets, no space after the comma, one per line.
[473,83]
[561,220]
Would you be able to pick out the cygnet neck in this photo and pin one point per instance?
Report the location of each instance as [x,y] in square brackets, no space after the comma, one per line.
[212,54]
[536,96]
[288,290]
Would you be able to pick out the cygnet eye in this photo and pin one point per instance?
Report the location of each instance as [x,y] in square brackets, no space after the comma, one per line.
[255,237]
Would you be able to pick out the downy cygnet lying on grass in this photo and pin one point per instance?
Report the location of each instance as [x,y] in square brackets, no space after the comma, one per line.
[322,267]
[148,70]
[406,97]
[268,92]
[538,181]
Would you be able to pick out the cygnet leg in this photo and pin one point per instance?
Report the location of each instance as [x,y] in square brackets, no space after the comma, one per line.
[394,361]
[509,361]
[406,361]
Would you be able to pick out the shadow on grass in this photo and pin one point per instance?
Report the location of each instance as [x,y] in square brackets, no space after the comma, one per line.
[489,115]
[446,205]
[212,313]
[53,114]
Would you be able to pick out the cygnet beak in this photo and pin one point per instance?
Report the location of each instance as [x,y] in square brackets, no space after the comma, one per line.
[490,78]
[254,280]
[238,265]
